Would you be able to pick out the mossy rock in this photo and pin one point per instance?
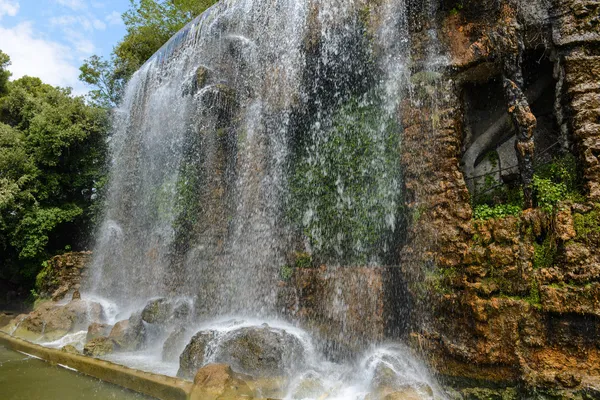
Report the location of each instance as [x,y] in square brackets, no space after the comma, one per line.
[100,347]
[157,311]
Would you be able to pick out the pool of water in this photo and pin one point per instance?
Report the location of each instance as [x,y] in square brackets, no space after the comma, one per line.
[23,377]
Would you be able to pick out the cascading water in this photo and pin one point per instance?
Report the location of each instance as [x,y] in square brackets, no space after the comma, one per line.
[263,128]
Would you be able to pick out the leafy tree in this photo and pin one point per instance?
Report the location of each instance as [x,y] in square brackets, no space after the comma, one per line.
[99,74]
[150,24]
[52,157]
[4,72]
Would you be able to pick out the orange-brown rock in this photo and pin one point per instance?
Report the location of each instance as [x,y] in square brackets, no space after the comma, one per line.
[219,382]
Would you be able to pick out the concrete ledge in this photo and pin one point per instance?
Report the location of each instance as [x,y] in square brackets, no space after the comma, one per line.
[160,386]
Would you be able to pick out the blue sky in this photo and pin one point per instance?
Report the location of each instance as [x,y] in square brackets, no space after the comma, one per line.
[51,38]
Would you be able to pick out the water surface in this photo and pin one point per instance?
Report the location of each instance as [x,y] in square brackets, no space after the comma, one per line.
[23,377]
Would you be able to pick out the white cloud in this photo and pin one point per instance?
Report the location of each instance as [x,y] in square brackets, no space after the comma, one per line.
[70,21]
[72,4]
[9,7]
[114,18]
[99,25]
[36,56]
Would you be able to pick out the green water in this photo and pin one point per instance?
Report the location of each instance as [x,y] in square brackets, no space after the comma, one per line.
[26,378]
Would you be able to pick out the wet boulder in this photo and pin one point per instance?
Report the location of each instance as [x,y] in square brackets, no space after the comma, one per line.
[260,351]
[99,347]
[174,344]
[193,356]
[97,329]
[218,381]
[50,321]
[157,311]
[129,334]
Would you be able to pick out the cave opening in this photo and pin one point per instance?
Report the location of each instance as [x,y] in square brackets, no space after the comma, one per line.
[489,156]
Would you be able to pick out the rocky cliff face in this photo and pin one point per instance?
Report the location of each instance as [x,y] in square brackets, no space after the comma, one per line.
[516,299]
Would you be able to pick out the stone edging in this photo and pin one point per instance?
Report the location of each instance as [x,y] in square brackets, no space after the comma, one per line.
[159,386]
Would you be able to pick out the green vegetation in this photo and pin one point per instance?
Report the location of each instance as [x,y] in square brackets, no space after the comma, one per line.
[587,225]
[552,183]
[484,211]
[458,6]
[545,253]
[149,24]
[52,157]
[300,260]
[346,183]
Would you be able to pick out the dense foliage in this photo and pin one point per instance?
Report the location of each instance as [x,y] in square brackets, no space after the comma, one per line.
[150,24]
[52,156]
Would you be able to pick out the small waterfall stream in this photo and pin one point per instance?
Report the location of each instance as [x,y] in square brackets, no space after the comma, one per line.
[262,129]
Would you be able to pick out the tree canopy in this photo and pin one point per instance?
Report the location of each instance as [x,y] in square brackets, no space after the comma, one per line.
[52,157]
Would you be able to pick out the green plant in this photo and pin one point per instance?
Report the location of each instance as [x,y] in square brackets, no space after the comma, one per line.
[286,272]
[534,293]
[557,181]
[484,211]
[458,6]
[549,193]
[544,254]
[587,224]
[303,260]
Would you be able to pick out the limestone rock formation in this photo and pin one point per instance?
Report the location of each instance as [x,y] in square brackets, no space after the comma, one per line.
[510,299]
[62,274]
[157,311]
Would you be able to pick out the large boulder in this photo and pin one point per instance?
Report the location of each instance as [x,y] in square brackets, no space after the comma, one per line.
[218,381]
[262,351]
[50,321]
[193,356]
[129,334]
[258,351]
[99,347]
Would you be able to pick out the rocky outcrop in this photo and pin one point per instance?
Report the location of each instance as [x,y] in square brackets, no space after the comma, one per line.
[313,296]
[62,274]
[513,300]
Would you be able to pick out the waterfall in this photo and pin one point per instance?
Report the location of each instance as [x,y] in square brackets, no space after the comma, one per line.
[264,136]
[260,129]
